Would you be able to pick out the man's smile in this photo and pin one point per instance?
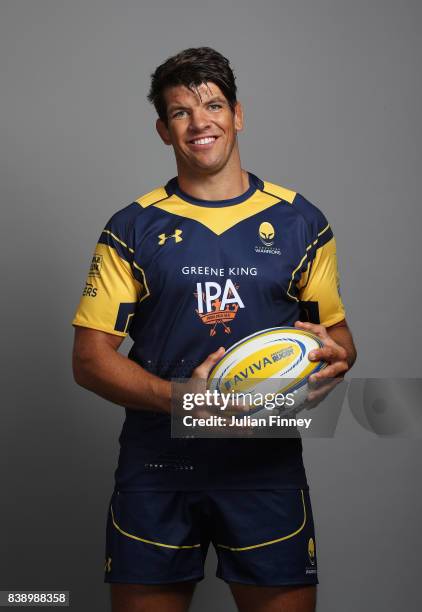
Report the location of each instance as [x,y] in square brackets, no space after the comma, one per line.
[206,142]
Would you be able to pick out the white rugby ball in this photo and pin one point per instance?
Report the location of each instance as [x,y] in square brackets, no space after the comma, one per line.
[272,360]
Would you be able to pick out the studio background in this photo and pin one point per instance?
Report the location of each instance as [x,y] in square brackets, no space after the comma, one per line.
[331,92]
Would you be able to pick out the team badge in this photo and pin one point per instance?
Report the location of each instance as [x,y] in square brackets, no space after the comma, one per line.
[266,233]
[311,551]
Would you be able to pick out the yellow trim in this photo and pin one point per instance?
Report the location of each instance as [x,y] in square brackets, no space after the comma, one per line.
[323,230]
[144,282]
[129,319]
[321,284]
[221,219]
[152,197]
[287,537]
[133,537]
[308,248]
[218,220]
[281,192]
[118,240]
[115,284]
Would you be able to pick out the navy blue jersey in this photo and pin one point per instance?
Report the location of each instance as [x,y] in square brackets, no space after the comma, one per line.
[184,276]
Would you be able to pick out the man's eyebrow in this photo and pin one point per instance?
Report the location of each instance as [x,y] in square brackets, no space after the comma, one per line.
[176,106]
[216,99]
[173,107]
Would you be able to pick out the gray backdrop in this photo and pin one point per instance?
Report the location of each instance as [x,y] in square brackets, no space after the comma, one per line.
[331,90]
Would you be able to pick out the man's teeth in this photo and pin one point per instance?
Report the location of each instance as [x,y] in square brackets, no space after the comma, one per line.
[204,140]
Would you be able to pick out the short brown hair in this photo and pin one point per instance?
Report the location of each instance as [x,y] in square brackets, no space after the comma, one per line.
[192,67]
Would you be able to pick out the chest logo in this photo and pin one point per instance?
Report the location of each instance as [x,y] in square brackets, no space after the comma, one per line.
[266,233]
[177,237]
[218,306]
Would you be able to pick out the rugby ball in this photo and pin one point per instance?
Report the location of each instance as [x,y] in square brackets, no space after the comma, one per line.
[272,360]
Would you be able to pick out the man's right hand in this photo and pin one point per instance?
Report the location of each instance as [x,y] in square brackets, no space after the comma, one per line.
[202,371]
[197,384]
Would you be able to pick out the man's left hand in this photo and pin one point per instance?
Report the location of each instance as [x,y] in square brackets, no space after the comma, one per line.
[334,354]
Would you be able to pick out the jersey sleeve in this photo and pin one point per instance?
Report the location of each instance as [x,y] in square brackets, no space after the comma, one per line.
[318,286]
[115,283]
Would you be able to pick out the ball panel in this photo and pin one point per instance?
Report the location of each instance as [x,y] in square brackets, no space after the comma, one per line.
[267,356]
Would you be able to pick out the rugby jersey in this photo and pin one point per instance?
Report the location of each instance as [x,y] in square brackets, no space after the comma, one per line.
[183,276]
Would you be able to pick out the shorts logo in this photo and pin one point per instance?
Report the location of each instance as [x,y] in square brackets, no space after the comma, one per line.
[107,566]
[177,237]
[96,263]
[214,311]
[311,551]
[266,233]
[89,290]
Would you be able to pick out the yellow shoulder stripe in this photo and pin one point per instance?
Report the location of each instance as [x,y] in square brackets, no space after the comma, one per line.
[152,197]
[308,248]
[280,192]
[321,284]
[117,239]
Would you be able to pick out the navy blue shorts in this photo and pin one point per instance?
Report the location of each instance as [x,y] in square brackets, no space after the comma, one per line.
[261,537]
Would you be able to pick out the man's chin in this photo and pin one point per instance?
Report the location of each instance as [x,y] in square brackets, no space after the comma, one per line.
[208,168]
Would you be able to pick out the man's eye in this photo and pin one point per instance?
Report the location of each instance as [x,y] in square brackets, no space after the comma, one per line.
[215,105]
[178,114]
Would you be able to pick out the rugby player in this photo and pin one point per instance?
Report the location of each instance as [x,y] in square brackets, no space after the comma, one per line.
[187,269]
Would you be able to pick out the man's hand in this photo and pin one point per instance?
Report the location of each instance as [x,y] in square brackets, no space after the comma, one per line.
[202,371]
[197,384]
[333,353]
[340,358]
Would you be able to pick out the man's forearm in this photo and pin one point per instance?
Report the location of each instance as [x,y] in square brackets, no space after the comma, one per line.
[341,334]
[118,379]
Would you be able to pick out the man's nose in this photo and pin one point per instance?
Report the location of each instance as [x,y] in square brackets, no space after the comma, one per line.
[198,120]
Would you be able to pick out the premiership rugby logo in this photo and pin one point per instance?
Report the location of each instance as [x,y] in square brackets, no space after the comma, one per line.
[217,306]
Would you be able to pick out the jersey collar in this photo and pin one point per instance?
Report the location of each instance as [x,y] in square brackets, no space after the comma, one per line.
[172,188]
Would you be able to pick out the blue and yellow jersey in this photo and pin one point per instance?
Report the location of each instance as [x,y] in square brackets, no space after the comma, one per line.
[184,276]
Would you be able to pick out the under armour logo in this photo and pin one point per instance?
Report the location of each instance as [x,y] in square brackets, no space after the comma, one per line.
[107,567]
[177,237]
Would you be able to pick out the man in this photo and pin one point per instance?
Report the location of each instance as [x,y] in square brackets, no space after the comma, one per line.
[188,269]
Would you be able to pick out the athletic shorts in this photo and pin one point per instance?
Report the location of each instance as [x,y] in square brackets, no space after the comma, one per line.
[261,537]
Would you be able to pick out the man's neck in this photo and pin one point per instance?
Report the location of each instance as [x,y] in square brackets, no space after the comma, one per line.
[224,185]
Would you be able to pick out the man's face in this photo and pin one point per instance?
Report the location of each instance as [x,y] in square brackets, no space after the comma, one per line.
[202,130]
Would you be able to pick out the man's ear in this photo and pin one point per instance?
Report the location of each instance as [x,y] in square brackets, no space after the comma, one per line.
[238,117]
[163,131]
